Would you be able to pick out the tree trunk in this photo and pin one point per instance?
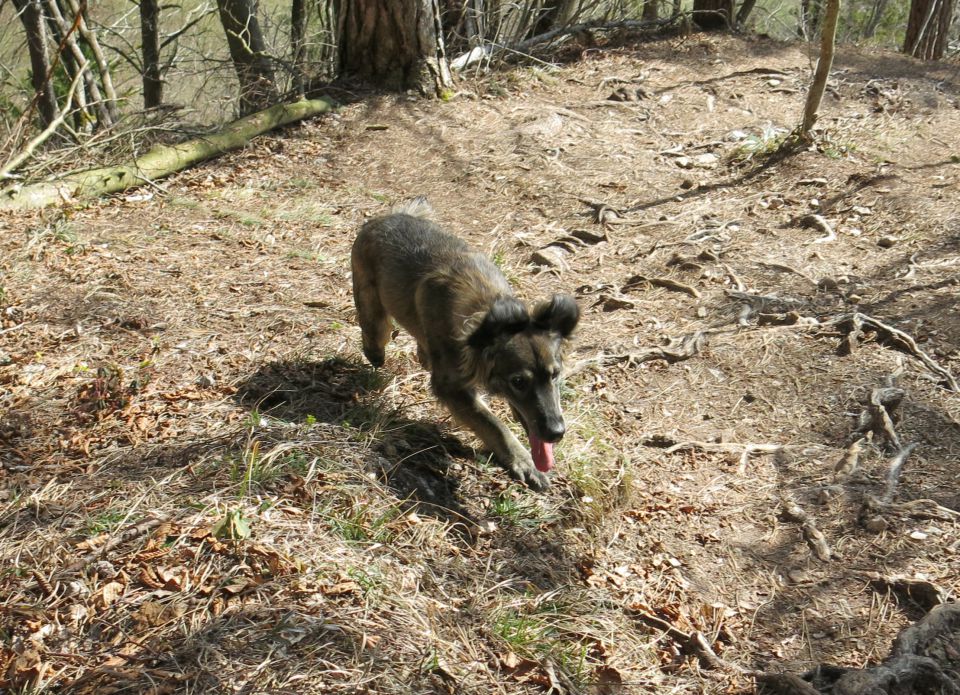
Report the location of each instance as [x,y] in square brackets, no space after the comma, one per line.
[394,44]
[103,67]
[298,32]
[746,7]
[91,88]
[150,48]
[927,28]
[248,50]
[650,10]
[712,14]
[555,15]
[31,15]
[828,39]
[159,162]
[811,13]
[876,16]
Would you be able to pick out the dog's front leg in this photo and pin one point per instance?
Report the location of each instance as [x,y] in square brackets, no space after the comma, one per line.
[510,454]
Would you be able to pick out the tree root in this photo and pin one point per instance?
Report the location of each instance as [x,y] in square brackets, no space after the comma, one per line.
[676,350]
[853,327]
[925,658]
[811,534]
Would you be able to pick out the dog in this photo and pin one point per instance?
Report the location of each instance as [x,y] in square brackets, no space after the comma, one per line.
[472,332]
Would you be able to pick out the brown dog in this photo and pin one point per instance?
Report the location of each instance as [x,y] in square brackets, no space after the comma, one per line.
[471,331]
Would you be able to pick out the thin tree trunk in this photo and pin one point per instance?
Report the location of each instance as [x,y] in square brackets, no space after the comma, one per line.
[650,10]
[746,7]
[828,39]
[103,67]
[298,32]
[31,16]
[876,15]
[258,88]
[83,66]
[395,44]
[927,28]
[150,50]
[712,14]
[159,162]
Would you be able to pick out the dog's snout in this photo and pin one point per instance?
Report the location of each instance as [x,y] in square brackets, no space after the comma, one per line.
[553,431]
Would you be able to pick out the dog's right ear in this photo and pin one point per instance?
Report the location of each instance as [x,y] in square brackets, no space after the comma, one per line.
[508,315]
[560,313]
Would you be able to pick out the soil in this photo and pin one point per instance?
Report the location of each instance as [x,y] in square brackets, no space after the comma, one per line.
[204,488]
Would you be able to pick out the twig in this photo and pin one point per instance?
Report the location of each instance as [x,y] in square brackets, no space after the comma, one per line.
[126,535]
[746,450]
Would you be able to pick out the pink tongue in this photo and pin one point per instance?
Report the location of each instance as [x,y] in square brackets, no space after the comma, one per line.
[542,453]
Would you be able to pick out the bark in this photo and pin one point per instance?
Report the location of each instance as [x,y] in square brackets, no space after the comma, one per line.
[712,14]
[927,28]
[393,44]
[743,14]
[83,67]
[31,16]
[650,10]
[103,67]
[557,14]
[876,15]
[150,51]
[811,13]
[298,32]
[248,50]
[824,63]
[159,162]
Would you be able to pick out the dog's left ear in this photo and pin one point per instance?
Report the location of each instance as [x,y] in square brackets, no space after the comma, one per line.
[560,313]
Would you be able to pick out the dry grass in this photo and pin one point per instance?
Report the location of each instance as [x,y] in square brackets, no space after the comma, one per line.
[204,489]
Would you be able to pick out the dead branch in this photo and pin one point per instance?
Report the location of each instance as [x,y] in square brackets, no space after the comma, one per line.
[746,450]
[853,326]
[876,510]
[126,535]
[159,162]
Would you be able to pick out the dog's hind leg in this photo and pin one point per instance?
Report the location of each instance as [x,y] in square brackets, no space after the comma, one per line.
[371,315]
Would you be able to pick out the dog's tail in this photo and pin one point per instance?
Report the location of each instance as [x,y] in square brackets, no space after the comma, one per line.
[417,207]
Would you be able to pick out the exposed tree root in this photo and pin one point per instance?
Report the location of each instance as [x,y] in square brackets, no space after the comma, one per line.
[677,350]
[811,534]
[666,283]
[853,327]
[925,658]
[850,462]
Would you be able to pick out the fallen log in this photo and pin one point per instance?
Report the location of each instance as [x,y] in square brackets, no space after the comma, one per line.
[159,162]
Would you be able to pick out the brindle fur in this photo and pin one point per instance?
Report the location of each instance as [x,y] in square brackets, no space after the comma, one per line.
[471,331]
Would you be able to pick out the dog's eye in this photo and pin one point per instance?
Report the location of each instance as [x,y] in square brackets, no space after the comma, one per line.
[519,383]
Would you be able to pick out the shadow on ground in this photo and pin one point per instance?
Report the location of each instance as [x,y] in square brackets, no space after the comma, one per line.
[412,458]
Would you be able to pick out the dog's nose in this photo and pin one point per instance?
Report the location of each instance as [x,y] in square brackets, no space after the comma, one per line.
[553,431]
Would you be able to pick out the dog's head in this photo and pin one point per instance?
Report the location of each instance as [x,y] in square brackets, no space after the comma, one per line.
[517,354]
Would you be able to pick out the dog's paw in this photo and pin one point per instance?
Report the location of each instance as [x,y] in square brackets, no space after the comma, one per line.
[520,467]
[374,356]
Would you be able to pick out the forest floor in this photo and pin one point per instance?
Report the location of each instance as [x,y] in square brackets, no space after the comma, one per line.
[203,487]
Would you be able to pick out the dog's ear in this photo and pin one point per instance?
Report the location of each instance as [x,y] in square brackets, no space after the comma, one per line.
[560,313]
[507,316]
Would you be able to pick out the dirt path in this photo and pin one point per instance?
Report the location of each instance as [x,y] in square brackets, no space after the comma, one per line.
[182,364]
